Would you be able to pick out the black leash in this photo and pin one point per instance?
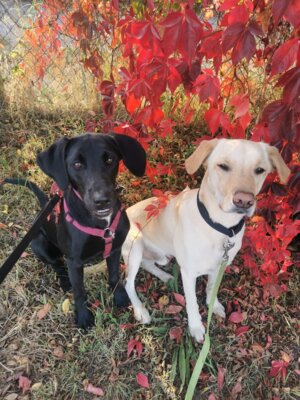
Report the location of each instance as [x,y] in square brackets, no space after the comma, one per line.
[16,254]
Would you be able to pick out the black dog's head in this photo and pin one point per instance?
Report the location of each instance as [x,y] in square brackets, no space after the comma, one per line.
[89,164]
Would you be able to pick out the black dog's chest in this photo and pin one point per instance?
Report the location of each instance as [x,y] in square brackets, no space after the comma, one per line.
[85,247]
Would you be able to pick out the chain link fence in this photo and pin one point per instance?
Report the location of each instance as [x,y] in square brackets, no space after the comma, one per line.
[65,84]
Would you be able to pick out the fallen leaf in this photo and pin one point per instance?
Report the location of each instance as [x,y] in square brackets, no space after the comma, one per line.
[11,396]
[237,389]
[97,391]
[269,342]
[3,226]
[58,352]
[96,304]
[36,386]
[297,371]
[43,311]
[221,377]
[24,254]
[24,384]
[134,344]
[126,326]
[163,300]
[172,309]
[257,348]
[176,333]
[236,317]
[179,298]
[66,305]
[285,357]
[211,397]
[279,368]
[142,380]
[241,330]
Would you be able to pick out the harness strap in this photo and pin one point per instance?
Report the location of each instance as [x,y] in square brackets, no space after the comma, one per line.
[107,234]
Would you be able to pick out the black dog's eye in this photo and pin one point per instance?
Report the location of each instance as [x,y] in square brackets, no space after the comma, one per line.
[77,165]
[108,159]
[224,167]
[259,171]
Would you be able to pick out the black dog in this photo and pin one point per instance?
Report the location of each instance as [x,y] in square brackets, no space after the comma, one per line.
[85,169]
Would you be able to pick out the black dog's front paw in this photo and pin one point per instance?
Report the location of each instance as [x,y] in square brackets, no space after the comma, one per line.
[121,298]
[85,319]
[65,283]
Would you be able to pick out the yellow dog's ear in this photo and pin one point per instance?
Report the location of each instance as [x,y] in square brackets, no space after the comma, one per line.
[278,164]
[193,163]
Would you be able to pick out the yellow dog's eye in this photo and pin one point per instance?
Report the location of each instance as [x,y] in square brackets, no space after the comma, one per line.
[224,167]
[259,171]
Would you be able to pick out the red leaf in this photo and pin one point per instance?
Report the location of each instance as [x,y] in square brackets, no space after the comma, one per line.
[237,389]
[231,35]
[221,377]
[190,35]
[182,32]
[211,46]
[255,29]
[211,397]
[97,391]
[238,14]
[24,384]
[207,86]
[172,25]
[216,118]
[142,380]
[132,103]
[292,13]
[180,299]
[292,87]
[150,116]
[241,330]
[165,128]
[285,56]
[279,368]
[134,344]
[236,317]
[245,47]
[241,103]
[176,333]
[172,309]
[278,9]
[260,132]
[227,4]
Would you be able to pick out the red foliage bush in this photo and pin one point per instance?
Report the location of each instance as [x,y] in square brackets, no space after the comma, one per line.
[240,59]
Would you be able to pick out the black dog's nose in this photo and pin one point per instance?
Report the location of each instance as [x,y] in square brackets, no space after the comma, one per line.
[100,200]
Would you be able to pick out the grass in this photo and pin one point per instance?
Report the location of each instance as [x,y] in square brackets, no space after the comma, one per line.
[60,361]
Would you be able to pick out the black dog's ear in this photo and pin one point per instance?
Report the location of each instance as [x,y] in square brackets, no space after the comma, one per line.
[52,162]
[132,153]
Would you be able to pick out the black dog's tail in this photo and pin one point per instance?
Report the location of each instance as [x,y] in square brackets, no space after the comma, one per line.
[42,197]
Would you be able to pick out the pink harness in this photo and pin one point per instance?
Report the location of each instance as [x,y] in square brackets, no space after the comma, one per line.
[107,234]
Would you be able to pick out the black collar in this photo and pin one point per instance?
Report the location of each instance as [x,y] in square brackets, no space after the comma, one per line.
[234,230]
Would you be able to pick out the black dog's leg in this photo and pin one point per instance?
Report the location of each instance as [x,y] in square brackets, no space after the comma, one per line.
[50,254]
[121,298]
[84,317]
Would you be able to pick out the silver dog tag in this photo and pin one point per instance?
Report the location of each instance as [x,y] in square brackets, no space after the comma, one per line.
[227,246]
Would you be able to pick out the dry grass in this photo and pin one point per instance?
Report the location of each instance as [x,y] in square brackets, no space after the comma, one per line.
[59,360]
